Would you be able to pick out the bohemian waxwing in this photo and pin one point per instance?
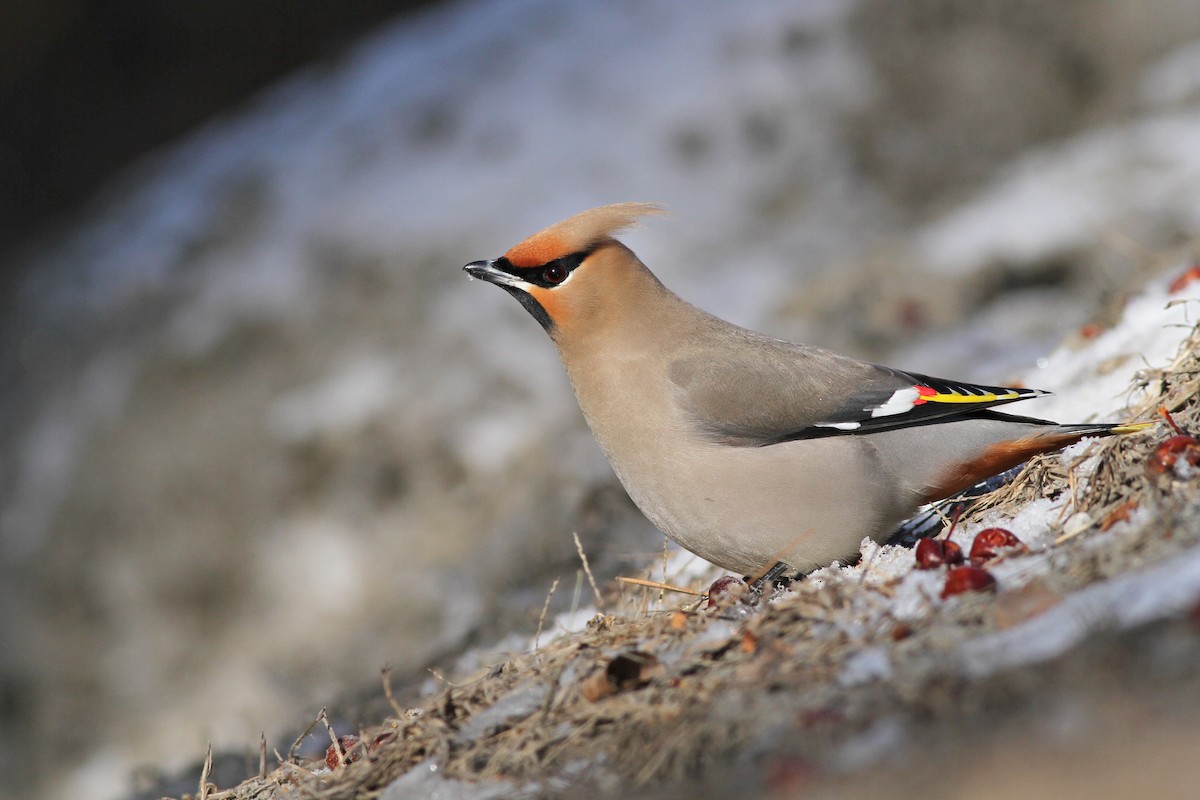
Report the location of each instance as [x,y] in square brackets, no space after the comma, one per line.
[747,450]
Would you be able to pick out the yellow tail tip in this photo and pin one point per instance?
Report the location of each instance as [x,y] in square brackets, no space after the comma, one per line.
[1131,427]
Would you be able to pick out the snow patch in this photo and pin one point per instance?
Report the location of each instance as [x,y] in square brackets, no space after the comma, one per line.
[1067,196]
[1174,81]
[360,388]
[1120,603]
[866,666]
[426,780]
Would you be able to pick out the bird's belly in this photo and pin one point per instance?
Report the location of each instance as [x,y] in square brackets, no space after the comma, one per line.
[806,503]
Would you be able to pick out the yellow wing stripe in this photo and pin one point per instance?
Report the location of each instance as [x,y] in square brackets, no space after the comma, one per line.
[949,397]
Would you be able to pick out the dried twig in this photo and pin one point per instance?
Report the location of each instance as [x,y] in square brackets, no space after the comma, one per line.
[204,773]
[665,559]
[658,585]
[386,677]
[552,690]
[588,571]
[337,747]
[437,673]
[291,754]
[542,619]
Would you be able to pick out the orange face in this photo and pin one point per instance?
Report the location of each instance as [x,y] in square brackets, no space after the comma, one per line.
[538,250]
[537,270]
[554,304]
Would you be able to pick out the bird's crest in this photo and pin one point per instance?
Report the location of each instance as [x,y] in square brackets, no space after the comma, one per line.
[579,233]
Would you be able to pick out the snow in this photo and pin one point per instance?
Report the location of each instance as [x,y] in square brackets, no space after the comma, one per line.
[1092,384]
[1065,196]
[518,703]
[1174,81]
[866,665]
[424,780]
[347,158]
[360,388]
[1122,602]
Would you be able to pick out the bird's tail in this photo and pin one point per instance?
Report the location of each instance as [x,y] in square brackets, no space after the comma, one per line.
[932,520]
[1106,428]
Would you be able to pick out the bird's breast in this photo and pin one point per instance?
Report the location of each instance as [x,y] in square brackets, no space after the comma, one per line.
[740,507]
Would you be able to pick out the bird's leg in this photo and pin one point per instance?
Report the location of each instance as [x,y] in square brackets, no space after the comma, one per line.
[768,578]
[932,520]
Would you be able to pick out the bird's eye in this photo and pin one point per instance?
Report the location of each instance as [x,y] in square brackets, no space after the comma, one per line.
[554,273]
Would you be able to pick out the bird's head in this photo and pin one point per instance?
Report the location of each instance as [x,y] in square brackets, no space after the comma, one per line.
[571,276]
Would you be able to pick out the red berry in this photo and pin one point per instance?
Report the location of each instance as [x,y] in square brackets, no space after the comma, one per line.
[933,553]
[967,579]
[724,590]
[990,541]
[380,740]
[346,743]
[1165,460]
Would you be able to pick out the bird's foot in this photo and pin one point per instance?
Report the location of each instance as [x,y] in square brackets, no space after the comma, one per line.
[931,520]
[772,577]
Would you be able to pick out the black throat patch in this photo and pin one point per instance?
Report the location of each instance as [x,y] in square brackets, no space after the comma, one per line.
[531,305]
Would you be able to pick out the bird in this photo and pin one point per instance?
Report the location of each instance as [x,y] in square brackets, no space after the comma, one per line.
[760,455]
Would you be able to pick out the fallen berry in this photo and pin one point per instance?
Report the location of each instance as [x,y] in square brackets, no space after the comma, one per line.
[990,541]
[1176,457]
[381,740]
[345,744]
[967,579]
[933,553]
[725,590]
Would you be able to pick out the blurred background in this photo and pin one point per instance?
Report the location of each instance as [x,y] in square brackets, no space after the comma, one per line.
[260,437]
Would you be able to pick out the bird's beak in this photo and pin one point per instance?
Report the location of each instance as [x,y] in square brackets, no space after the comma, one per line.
[487,271]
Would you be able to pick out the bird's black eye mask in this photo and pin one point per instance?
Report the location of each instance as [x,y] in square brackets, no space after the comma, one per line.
[548,275]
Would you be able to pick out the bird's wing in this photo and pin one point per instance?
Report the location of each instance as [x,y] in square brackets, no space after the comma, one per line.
[780,392]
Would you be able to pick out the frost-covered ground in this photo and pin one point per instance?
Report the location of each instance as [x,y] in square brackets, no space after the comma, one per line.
[264,438]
